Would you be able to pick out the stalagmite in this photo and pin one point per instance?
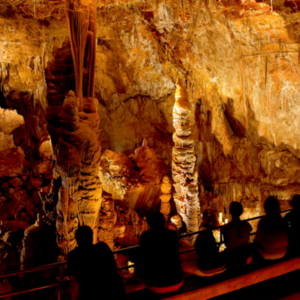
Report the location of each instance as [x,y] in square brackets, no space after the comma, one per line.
[184,173]
[66,222]
[165,206]
[176,220]
[78,162]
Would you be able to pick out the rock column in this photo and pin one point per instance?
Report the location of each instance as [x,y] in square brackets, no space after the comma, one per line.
[184,173]
[165,206]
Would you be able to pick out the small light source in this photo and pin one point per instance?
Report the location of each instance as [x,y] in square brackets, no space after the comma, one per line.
[130,270]
[226,221]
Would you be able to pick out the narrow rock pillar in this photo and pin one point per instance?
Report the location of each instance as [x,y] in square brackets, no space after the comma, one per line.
[184,172]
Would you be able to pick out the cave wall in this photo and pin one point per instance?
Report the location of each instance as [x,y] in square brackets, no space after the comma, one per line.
[239,63]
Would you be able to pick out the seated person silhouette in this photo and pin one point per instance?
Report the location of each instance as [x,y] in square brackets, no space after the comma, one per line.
[93,267]
[271,237]
[209,261]
[236,236]
[109,284]
[292,220]
[159,262]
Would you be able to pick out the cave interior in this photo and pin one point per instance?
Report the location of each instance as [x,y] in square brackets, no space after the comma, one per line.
[111,110]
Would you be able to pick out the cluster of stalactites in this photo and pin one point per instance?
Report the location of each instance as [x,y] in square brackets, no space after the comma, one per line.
[184,172]
[82,26]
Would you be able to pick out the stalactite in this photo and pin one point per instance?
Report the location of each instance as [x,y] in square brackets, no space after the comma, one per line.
[244,89]
[184,172]
[78,27]
[82,28]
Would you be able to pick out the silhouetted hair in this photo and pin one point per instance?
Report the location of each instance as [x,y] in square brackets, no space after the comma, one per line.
[84,236]
[157,221]
[104,257]
[236,209]
[271,205]
[296,202]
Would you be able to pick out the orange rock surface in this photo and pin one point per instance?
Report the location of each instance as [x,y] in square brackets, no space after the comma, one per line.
[239,61]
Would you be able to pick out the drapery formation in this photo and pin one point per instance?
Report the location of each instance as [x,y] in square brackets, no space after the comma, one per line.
[81,18]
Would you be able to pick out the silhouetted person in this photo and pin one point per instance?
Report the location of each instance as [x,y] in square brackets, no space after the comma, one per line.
[209,261]
[159,262]
[80,262]
[236,237]
[109,284]
[93,267]
[292,220]
[271,236]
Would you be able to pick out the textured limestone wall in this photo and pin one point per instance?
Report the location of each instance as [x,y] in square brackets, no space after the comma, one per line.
[238,61]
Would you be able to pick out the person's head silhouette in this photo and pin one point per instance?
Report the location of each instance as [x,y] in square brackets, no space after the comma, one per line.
[84,236]
[271,206]
[296,202]
[236,210]
[157,221]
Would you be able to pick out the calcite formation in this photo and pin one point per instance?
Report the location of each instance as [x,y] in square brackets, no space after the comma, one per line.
[78,161]
[107,230]
[66,221]
[237,59]
[149,164]
[133,180]
[78,148]
[176,220]
[184,171]
[31,243]
[119,227]
[165,197]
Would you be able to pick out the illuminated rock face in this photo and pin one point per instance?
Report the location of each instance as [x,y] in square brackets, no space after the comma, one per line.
[134,181]
[184,172]
[119,227]
[165,197]
[78,162]
[238,59]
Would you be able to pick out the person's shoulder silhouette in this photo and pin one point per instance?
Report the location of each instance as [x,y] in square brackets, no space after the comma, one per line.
[292,221]
[271,237]
[79,258]
[159,260]
[94,268]
[107,277]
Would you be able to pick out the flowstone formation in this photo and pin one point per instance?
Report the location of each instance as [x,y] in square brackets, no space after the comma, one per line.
[119,227]
[78,162]
[134,180]
[184,171]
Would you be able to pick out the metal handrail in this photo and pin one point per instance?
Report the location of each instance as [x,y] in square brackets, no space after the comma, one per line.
[59,264]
